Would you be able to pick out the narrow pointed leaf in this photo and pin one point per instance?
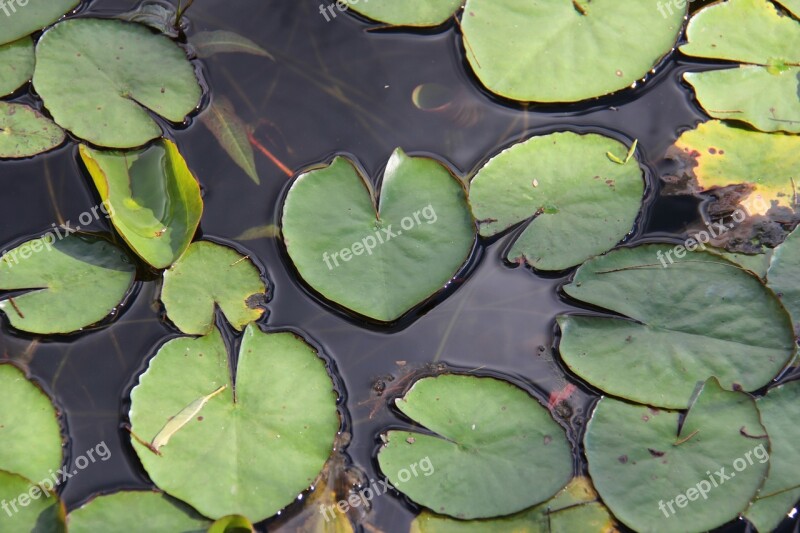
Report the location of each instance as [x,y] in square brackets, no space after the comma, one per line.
[209,43]
[231,132]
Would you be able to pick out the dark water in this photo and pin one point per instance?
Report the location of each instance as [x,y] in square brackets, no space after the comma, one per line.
[338,87]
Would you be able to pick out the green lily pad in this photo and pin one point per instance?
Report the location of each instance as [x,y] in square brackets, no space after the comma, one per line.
[231,524]
[259,449]
[546,51]
[16,65]
[575,508]
[210,275]
[116,512]
[782,489]
[153,199]
[754,33]
[656,474]
[570,187]
[756,170]
[20,20]
[71,283]
[101,78]
[231,133]
[379,262]
[25,132]
[417,13]
[783,276]
[30,435]
[490,440]
[43,512]
[700,316]
[758,264]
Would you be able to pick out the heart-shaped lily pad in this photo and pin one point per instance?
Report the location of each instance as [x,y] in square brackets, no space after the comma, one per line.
[117,511]
[16,65]
[379,262]
[259,446]
[71,283]
[782,489]
[783,275]
[403,12]
[494,450]
[100,78]
[22,18]
[210,275]
[30,435]
[658,474]
[43,512]
[152,197]
[685,317]
[754,33]
[25,132]
[582,202]
[575,508]
[566,51]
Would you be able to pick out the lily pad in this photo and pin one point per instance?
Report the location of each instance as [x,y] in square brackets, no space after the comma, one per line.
[658,474]
[16,65]
[782,489]
[756,170]
[70,283]
[210,275]
[231,524]
[101,78]
[30,435]
[379,262]
[754,33]
[698,316]
[44,512]
[575,508]
[545,51]
[582,203]
[116,512]
[489,440]
[783,276]
[231,133]
[25,132]
[405,12]
[153,199]
[21,20]
[260,448]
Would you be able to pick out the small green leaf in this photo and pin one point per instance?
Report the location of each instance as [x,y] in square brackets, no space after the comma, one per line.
[100,79]
[19,20]
[16,65]
[488,438]
[260,443]
[117,512]
[210,275]
[153,199]
[25,132]
[683,320]
[231,132]
[70,283]
[645,463]
[209,43]
[30,435]
[581,200]
[43,514]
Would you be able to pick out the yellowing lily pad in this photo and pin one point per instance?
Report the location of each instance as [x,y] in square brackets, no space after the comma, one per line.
[153,199]
[488,440]
[262,437]
[100,79]
[763,92]
[581,201]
